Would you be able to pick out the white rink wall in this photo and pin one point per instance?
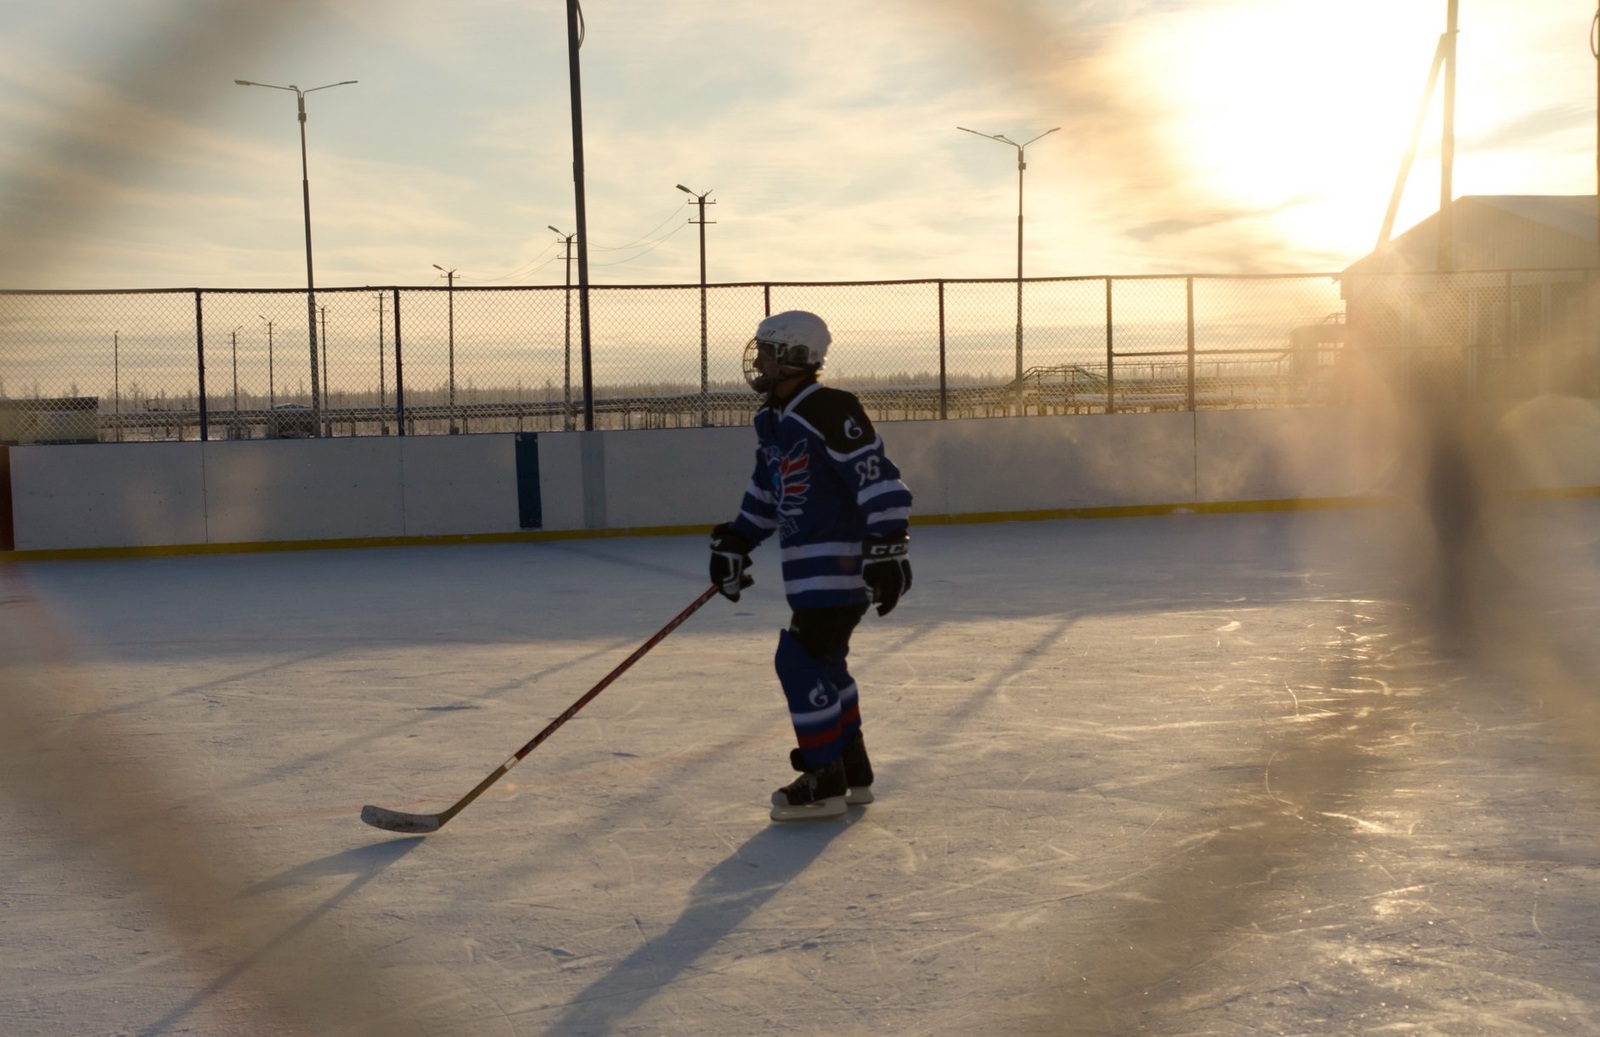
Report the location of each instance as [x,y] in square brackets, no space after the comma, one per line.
[175,495]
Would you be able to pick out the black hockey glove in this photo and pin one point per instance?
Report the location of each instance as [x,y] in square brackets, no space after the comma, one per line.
[730,557]
[886,570]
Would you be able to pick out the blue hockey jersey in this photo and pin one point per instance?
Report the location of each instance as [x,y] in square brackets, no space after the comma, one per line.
[823,483]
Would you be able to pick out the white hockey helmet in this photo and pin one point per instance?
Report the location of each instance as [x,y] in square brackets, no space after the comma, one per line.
[796,339]
[800,339]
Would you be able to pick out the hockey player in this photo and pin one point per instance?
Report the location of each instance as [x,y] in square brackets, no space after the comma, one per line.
[823,484]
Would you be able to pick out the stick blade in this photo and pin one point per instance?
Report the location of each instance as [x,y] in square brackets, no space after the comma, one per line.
[399,821]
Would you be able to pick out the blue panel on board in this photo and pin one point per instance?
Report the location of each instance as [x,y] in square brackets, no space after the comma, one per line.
[530,507]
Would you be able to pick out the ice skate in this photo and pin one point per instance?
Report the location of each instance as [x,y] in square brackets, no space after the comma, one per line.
[812,796]
[857,772]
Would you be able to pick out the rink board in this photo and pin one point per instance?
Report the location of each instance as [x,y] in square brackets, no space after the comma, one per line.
[148,495]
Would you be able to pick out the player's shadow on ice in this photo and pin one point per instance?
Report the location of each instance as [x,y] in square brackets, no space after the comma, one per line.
[362,865]
[719,904]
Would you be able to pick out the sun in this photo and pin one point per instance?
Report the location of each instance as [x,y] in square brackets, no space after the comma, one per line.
[1295,112]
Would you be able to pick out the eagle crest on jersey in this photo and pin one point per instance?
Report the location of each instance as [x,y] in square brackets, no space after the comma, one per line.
[791,480]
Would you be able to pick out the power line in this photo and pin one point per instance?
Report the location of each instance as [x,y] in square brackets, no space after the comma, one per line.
[645,236]
[544,259]
[645,251]
[525,269]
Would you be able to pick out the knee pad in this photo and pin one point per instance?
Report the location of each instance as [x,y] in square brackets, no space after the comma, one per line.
[825,633]
[805,678]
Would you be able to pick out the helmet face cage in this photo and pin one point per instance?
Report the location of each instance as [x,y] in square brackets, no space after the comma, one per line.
[791,357]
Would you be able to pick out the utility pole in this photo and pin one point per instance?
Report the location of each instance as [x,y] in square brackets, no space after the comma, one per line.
[1594,48]
[567,420]
[235,336]
[326,395]
[450,292]
[383,423]
[1447,147]
[705,371]
[272,393]
[575,33]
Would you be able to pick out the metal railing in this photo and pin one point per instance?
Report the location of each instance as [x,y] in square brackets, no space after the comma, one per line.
[233,363]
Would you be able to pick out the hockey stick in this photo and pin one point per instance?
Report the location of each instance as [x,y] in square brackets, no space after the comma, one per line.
[399,821]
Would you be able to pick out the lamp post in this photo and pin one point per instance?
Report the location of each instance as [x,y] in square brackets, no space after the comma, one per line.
[575,34]
[567,421]
[1021,165]
[450,280]
[305,200]
[705,381]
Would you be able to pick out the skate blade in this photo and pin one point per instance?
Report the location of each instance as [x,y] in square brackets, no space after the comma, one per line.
[859,797]
[822,809]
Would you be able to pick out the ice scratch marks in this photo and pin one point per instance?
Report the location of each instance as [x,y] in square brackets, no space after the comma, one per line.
[120,811]
[1369,826]
[1176,916]
[720,904]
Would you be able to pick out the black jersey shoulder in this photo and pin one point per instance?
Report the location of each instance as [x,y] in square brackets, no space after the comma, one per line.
[838,418]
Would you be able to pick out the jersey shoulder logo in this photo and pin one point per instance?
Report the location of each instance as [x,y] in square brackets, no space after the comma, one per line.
[838,419]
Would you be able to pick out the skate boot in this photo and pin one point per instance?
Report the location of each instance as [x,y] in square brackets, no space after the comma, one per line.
[857,770]
[812,796]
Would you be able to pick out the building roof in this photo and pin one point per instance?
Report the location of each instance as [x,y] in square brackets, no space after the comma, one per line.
[1498,232]
[1572,214]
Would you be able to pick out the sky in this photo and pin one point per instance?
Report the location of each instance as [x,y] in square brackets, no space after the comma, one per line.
[1195,136]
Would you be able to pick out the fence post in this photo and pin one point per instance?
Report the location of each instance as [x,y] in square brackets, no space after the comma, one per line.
[944,410]
[1505,332]
[399,373]
[1111,375]
[1188,291]
[1592,311]
[200,366]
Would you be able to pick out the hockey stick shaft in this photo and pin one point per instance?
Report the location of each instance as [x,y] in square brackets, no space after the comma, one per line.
[398,821]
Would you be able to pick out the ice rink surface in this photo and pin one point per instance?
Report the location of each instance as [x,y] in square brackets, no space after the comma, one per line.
[1177,775]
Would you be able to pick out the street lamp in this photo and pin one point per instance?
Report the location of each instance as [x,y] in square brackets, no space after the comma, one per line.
[705,382]
[1021,165]
[450,280]
[575,34]
[305,199]
[567,421]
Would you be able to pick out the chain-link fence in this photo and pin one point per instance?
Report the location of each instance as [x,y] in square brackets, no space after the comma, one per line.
[237,363]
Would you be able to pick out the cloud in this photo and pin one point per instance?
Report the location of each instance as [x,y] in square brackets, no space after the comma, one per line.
[1191,130]
[1533,127]
[115,123]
